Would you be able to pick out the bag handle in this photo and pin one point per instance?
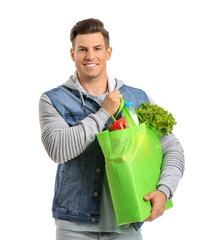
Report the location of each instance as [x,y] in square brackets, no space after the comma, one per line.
[120,109]
[128,117]
[126,113]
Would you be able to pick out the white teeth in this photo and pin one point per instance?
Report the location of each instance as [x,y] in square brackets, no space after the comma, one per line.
[90,65]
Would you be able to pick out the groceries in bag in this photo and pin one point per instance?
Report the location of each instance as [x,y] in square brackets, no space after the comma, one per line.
[156,117]
[118,125]
[131,110]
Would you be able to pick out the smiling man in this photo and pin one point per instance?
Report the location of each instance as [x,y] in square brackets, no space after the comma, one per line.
[70,117]
[90,54]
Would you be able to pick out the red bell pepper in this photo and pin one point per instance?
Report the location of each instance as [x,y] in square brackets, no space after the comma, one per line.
[118,125]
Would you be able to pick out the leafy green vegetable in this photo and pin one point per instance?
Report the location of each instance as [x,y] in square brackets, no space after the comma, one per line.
[157,117]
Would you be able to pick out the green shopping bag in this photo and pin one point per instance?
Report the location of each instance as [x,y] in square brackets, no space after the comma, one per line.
[133,159]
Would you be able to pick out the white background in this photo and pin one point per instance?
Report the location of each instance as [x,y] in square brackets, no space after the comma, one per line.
[172,49]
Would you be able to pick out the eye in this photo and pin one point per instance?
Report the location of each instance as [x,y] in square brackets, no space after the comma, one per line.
[82,50]
[98,48]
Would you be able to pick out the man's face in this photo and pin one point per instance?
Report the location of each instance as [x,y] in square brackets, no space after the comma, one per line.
[90,55]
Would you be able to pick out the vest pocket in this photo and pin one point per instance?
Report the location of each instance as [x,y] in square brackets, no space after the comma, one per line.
[62,187]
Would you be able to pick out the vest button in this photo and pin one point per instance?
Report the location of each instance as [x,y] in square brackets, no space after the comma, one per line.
[93,220]
[98,170]
[95,194]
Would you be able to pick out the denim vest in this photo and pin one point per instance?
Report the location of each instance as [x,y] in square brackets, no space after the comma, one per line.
[78,184]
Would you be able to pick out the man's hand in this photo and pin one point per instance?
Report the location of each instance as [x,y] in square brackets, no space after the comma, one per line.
[112,102]
[158,200]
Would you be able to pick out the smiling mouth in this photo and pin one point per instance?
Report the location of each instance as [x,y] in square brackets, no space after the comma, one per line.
[90,65]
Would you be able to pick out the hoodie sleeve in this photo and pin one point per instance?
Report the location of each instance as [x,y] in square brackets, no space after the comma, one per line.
[173,163]
[172,166]
[63,142]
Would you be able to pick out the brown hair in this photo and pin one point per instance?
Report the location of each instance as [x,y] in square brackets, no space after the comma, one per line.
[90,25]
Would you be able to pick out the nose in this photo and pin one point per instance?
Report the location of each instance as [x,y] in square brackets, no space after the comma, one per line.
[90,55]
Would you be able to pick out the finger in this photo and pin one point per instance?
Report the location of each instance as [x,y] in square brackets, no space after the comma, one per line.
[148,196]
[154,214]
[115,94]
[158,205]
[151,217]
[118,95]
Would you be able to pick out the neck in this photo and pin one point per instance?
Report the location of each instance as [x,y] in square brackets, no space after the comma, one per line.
[94,86]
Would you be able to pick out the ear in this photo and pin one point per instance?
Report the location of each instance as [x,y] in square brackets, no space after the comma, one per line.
[72,54]
[109,53]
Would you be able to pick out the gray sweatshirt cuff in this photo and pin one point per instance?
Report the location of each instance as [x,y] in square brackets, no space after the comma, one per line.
[165,190]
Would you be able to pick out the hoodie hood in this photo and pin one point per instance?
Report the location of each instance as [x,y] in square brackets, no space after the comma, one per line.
[73,83]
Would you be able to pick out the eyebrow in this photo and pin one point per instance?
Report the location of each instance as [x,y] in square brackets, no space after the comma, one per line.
[81,47]
[94,46]
[98,46]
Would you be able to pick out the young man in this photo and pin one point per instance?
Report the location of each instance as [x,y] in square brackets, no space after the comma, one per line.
[70,117]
